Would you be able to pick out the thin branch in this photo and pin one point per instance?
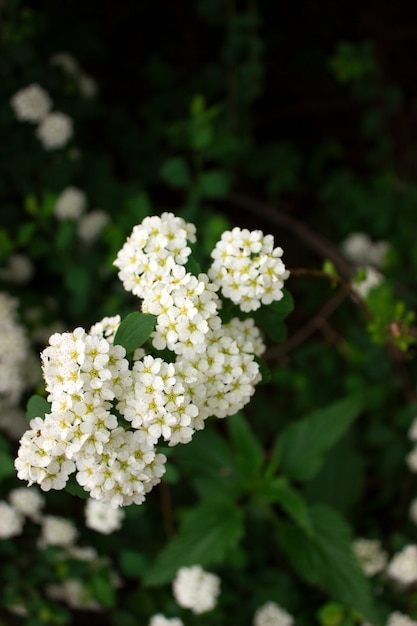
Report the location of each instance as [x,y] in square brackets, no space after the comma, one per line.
[166,506]
[317,243]
[309,329]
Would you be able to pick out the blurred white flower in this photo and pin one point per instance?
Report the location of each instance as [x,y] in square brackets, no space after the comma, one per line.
[403,566]
[90,225]
[370,555]
[271,614]
[55,130]
[31,104]
[103,517]
[196,589]
[57,531]
[70,204]
[361,250]
[11,521]
[19,269]
[28,501]
[161,620]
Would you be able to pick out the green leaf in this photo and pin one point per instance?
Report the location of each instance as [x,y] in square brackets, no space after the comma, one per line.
[132,564]
[282,307]
[75,489]
[291,501]
[215,184]
[300,449]
[326,560]
[250,454]
[207,533]
[175,172]
[103,590]
[37,407]
[134,330]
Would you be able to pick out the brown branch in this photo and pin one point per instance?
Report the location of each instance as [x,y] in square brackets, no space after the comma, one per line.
[317,243]
[166,507]
[309,329]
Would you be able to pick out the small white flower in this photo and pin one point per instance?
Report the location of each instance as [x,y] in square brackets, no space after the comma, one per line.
[57,531]
[196,589]
[70,204]
[102,517]
[11,521]
[370,555]
[403,566]
[90,225]
[398,619]
[31,104]
[28,501]
[55,130]
[161,620]
[271,614]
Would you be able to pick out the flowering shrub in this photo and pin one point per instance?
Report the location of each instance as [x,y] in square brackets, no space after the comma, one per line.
[215,432]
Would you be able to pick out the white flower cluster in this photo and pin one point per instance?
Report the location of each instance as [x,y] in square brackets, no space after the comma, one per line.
[161,620]
[368,257]
[19,269]
[22,503]
[271,614]
[71,204]
[196,589]
[247,268]
[33,104]
[372,558]
[103,517]
[18,367]
[86,84]
[90,382]
[403,566]
[399,619]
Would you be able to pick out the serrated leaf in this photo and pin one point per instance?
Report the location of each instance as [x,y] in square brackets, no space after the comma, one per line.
[326,560]
[291,501]
[134,330]
[299,451]
[37,407]
[249,452]
[175,172]
[206,534]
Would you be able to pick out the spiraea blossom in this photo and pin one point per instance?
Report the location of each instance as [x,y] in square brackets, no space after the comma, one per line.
[271,614]
[57,531]
[31,104]
[196,589]
[361,250]
[403,566]
[91,224]
[161,620]
[212,371]
[27,501]
[103,517]
[70,204]
[55,130]
[11,521]
[248,269]
[372,558]
[399,619]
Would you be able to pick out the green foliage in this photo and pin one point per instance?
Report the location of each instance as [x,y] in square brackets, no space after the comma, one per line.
[207,535]
[134,330]
[299,451]
[37,407]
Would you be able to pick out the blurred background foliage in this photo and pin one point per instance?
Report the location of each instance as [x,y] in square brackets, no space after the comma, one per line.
[296,118]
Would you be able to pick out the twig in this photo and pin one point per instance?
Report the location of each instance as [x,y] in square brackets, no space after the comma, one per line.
[320,245]
[166,506]
[309,329]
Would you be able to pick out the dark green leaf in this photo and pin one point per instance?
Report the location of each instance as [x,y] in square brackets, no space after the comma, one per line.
[103,590]
[37,407]
[132,563]
[215,184]
[134,330]
[175,172]
[207,533]
[300,450]
[6,465]
[326,560]
[249,452]
[75,489]
[291,501]
[284,306]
